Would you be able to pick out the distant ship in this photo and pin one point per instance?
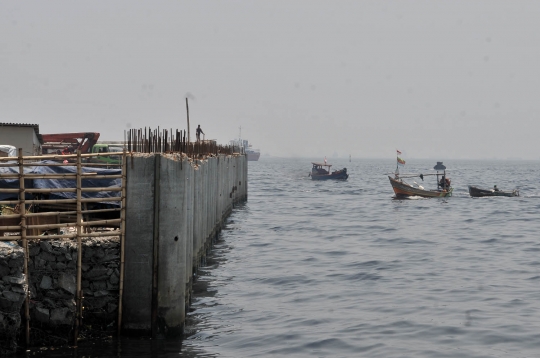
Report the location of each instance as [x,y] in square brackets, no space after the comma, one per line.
[244,146]
[252,154]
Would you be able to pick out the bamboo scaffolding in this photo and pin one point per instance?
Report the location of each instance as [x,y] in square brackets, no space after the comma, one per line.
[60,213]
[61,225]
[62,190]
[81,222]
[69,164]
[63,236]
[62,201]
[62,157]
[22,209]
[61,176]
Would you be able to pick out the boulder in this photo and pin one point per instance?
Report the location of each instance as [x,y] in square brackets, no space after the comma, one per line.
[97,272]
[101,293]
[46,246]
[34,250]
[4,270]
[60,316]
[99,285]
[42,315]
[46,283]
[17,279]
[13,297]
[47,256]
[67,282]
[5,304]
[18,262]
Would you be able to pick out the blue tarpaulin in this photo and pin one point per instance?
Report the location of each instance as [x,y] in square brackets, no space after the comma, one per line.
[87,182]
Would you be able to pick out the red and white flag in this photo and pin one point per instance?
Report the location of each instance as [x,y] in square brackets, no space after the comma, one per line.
[398,152]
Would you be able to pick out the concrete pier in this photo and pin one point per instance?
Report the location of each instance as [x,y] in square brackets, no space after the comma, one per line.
[175,208]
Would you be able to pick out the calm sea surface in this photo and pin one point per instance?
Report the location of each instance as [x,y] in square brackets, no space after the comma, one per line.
[340,269]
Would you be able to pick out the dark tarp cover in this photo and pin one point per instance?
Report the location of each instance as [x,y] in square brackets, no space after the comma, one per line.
[87,182]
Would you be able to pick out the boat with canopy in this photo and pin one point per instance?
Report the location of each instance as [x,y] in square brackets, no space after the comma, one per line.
[403,189]
[322,171]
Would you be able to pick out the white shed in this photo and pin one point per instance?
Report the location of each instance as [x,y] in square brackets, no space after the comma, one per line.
[20,135]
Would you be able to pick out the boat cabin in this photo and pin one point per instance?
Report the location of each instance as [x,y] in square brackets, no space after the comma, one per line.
[319,168]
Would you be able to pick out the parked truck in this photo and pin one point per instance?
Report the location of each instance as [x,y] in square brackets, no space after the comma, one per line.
[86,142]
[64,143]
[112,160]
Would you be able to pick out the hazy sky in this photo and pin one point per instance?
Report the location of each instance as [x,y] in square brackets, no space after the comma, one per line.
[435,79]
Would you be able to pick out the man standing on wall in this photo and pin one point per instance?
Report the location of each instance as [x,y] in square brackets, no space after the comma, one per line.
[198,132]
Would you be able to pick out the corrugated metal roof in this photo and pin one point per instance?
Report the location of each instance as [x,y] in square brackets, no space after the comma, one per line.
[18,125]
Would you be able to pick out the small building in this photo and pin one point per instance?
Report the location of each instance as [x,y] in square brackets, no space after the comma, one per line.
[21,135]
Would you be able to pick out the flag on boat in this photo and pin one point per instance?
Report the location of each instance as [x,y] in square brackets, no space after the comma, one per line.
[398,152]
[400,161]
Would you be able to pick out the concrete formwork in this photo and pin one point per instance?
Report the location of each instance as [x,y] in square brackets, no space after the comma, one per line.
[137,298]
[174,210]
[172,247]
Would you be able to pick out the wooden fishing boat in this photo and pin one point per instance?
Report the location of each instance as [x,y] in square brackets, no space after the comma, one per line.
[478,192]
[319,172]
[402,189]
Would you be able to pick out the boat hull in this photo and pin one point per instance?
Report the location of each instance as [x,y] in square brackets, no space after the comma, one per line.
[476,192]
[341,175]
[402,189]
[253,156]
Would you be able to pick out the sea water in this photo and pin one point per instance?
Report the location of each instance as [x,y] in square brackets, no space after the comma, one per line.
[341,269]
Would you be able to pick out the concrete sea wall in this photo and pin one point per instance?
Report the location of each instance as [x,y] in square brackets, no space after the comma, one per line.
[175,206]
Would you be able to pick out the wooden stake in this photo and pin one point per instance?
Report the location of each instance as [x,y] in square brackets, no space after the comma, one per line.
[78,320]
[22,211]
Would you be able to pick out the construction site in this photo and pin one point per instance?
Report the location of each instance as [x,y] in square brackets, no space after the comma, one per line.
[103,239]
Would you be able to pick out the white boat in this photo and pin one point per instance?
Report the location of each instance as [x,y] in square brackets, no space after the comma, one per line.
[244,146]
[252,154]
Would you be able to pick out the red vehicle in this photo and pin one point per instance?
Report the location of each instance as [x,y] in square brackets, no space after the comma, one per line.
[66,143]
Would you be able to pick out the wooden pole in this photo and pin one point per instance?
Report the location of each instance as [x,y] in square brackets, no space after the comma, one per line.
[22,211]
[78,320]
[122,240]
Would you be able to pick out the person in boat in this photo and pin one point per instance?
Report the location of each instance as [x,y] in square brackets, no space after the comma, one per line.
[444,183]
[495,188]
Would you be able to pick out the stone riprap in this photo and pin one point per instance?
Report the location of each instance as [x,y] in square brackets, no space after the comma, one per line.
[52,272]
[13,290]
[53,284]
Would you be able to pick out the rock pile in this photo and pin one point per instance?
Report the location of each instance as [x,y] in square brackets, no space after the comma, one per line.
[52,269]
[52,272]
[13,290]
[100,282]
[53,284]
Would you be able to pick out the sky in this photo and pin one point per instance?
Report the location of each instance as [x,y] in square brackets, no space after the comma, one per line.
[302,78]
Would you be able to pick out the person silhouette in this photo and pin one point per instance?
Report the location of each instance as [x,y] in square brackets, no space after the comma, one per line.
[198,132]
